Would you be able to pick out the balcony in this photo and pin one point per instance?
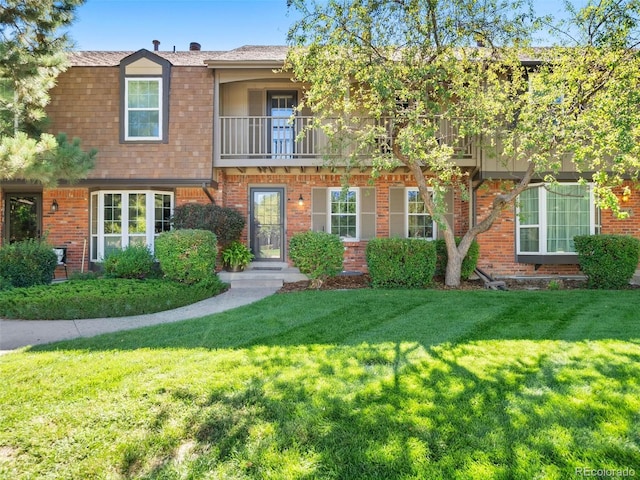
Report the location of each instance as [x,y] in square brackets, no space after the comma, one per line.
[269,141]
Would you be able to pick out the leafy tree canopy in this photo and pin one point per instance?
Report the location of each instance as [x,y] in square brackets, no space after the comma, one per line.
[32,55]
[420,83]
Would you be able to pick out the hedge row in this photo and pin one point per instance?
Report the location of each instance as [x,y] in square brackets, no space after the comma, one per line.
[392,262]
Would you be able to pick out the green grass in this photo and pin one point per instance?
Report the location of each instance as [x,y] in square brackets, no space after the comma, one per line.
[364,384]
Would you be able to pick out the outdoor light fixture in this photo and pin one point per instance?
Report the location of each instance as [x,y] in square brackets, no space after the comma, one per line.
[54,206]
[626,194]
[300,200]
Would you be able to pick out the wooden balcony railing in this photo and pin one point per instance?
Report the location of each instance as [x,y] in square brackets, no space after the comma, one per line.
[276,138]
[269,138]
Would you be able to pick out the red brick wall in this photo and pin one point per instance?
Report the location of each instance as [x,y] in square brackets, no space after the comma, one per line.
[235,192]
[69,226]
[498,244]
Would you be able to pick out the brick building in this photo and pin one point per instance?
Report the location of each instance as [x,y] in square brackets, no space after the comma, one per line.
[206,126]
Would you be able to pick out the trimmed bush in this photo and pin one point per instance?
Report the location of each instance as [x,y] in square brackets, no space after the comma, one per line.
[135,261]
[106,297]
[187,256]
[319,255]
[401,262]
[608,261]
[469,262]
[225,222]
[27,263]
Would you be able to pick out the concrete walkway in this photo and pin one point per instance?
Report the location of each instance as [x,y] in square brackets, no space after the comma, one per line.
[19,333]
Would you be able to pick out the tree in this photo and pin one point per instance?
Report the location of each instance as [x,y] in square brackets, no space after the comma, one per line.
[410,82]
[32,55]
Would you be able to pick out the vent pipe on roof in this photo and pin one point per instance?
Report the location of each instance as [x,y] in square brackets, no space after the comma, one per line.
[156,44]
[194,46]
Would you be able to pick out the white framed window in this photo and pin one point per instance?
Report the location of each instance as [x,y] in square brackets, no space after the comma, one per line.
[143,115]
[343,213]
[418,222]
[123,218]
[549,216]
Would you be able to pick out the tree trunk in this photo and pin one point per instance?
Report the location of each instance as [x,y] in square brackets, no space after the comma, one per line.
[455,256]
[454,268]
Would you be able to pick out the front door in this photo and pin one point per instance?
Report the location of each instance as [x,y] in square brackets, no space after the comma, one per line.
[23,216]
[267,223]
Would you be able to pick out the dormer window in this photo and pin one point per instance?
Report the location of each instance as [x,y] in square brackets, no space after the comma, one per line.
[143,118]
[144,89]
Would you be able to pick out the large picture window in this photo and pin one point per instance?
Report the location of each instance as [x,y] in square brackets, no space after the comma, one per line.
[123,218]
[549,216]
[343,213]
[143,118]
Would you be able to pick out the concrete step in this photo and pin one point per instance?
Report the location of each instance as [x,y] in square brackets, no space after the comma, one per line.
[635,280]
[262,274]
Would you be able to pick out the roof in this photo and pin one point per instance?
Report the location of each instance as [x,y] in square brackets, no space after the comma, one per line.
[252,54]
[112,59]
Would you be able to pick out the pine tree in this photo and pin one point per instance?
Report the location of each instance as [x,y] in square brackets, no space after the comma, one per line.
[33,48]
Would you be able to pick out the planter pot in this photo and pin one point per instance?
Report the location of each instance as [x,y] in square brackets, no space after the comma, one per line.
[234,268]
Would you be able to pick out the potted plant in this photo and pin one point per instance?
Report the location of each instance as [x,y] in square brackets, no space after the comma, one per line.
[236,256]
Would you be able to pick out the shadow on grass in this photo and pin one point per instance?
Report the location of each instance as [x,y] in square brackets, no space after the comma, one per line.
[515,409]
[375,385]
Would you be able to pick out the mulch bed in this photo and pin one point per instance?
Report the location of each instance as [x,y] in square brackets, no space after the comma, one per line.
[349,282]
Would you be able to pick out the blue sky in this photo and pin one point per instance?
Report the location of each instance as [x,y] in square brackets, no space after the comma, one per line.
[215,24]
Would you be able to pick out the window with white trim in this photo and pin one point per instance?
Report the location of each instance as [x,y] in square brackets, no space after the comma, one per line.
[549,216]
[143,116]
[419,223]
[123,218]
[343,213]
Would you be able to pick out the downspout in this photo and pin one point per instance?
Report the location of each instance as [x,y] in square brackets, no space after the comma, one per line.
[216,121]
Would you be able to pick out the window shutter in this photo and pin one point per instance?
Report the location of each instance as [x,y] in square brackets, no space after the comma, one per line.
[319,209]
[257,135]
[367,213]
[396,212]
[448,205]
[256,103]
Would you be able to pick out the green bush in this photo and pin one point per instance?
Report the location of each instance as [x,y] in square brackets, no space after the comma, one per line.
[102,298]
[27,263]
[469,262]
[319,255]
[5,284]
[401,262]
[225,222]
[608,261]
[135,261]
[187,256]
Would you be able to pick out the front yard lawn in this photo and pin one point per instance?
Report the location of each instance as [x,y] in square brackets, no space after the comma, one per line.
[362,384]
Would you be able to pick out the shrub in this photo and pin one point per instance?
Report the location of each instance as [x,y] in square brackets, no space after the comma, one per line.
[5,284]
[401,262]
[108,297]
[27,263]
[319,255]
[135,261]
[225,222]
[469,262]
[608,261]
[187,256]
